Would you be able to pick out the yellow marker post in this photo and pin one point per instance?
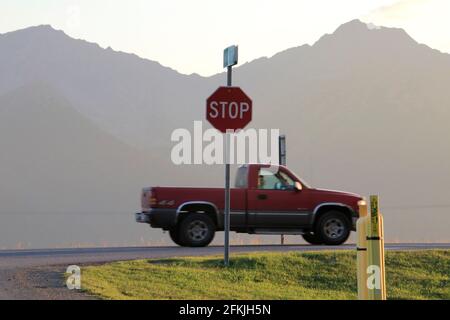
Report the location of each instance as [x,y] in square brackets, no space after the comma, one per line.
[370,252]
[361,251]
[376,284]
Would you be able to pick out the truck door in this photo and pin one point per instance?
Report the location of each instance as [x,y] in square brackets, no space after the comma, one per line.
[276,203]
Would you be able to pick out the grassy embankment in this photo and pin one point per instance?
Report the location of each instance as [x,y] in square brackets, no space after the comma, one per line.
[295,275]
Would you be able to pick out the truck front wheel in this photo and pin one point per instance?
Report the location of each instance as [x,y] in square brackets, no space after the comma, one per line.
[196,230]
[333,228]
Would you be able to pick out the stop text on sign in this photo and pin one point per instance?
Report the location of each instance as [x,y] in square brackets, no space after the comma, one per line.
[225,109]
[229,108]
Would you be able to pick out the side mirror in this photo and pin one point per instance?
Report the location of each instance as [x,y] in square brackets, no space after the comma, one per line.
[298,186]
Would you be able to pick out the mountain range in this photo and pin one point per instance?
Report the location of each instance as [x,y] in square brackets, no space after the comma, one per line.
[83,128]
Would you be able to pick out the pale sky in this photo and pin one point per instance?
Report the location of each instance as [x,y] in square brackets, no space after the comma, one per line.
[189,36]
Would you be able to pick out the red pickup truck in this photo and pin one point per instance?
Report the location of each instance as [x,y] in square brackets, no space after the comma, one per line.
[266,199]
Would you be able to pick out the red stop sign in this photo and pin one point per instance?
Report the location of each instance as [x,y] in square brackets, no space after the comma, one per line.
[229,108]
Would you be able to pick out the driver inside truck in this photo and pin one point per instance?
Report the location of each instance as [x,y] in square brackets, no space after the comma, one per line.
[261,182]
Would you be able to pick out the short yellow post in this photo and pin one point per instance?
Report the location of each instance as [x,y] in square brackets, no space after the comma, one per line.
[376,283]
[370,252]
[361,251]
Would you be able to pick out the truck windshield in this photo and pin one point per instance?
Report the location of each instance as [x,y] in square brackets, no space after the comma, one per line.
[242,177]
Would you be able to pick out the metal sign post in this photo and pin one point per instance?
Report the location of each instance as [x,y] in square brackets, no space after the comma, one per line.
[282,149]
[230,58]
[228,109]
[282,160]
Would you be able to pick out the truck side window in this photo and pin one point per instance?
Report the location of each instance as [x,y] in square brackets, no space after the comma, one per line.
[268,180]
[241,178]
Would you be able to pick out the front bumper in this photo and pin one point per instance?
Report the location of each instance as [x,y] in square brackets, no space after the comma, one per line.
[354,221]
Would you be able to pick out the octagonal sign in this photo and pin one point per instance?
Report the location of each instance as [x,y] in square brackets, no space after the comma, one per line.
[229,108]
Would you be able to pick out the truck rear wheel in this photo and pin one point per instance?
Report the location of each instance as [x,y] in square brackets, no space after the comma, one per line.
[333,228]
[197,230]
[312,238]
[175,236]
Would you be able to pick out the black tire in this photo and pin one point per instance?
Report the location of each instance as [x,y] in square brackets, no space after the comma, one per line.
[197,230]
[333,228]
[175,236]
[311,238]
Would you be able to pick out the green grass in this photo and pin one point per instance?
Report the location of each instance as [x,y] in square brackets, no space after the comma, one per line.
[294,275]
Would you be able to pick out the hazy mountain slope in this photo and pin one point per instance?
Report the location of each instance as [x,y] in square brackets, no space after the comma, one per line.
[66,163]
[54,160]
[65,182]
[357,95]
[126,95]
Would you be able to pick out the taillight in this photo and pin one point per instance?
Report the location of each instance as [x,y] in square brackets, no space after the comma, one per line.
[148,198]
[152,200]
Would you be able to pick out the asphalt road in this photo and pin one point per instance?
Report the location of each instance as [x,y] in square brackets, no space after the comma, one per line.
[37,274]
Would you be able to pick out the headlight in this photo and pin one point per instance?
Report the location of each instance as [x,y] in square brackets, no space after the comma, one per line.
[362,202]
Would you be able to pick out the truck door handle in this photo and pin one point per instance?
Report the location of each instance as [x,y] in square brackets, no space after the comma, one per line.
[262,196]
